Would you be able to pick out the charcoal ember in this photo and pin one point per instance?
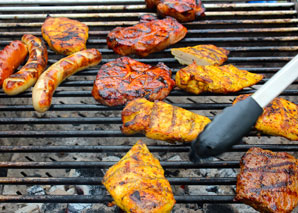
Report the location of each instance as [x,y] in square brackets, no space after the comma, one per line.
[78,207]
[35,190]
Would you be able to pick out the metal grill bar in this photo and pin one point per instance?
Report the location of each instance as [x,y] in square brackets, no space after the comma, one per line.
[107,164]
[123,148]
[98,180]
[101,199]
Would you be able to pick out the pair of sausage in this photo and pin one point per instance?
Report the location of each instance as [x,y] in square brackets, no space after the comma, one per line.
[13,55]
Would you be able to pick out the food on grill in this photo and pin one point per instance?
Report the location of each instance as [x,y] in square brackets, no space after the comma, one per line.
[207,54]
[268,181]
[161,121]
[182,10]
[151,35]
[28,75]
[50,79]
[125,79]
[10,58]
[65,36]
[137,183]
[218,79]
[279,118]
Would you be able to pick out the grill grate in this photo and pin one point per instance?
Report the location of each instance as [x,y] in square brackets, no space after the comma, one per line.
[77,133]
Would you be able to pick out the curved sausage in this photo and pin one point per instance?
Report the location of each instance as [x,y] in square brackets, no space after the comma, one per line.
[10,58]
[28,75]
[50,79]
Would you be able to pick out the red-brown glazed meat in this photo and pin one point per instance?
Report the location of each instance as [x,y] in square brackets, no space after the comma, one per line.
[150,35]
[268,181]
[182,10]
[125,79]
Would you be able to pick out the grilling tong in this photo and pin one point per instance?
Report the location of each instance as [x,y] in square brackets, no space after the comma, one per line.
[228,127]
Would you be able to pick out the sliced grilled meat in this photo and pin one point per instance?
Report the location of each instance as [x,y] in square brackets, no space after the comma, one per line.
[151,35]
[65,36]
[280,118]
[268,181]
[182,10]
[137,182]
[218,79]
[207,54]
[125,79]
[161,121]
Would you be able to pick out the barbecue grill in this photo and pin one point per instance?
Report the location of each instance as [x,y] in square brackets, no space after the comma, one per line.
[78,133]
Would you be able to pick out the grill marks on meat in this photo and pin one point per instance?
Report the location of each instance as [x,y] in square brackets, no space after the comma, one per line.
[203,55]
[268,181]
[137,182]
[161,121]
[218,79]
[65,36]
[151,35]
[279,118]
[182,10]
[125,79]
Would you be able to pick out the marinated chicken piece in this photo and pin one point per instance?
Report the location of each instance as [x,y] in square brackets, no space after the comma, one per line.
[125,79]
[268,181]
[279,118]
[182,10]
[137,183]
[151,35]
[202,54]
[65,36]
[161,121]
[218,79]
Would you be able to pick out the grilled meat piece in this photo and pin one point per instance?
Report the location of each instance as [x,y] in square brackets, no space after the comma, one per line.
[186,10]
[151,35]
[202,54]
[137,183]
[280,118]
[65,36]
[268,181]
[218,79]
[161,121]
[125,79]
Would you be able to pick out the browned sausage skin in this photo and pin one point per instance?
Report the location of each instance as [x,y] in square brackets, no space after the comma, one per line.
[50,79]
[28,75]
[10,58]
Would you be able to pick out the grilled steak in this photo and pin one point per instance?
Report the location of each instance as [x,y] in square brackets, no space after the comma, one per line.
[280,118]
[65,36]
[151,35]
[182,10]
[161,121]
[137,182]
[268,181]
[218,79]
[202,54]
[125,79]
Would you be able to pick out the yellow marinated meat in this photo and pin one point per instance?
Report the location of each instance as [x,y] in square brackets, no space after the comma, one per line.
[279,118]
[217,79]
[137,183]
[161,121]
[206,54]
[65,36]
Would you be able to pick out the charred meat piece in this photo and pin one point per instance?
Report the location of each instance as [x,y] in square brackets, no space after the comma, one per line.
[137,183]
[182,10]
[279,118]
[151,35]
[161,121]
[65,36]
[125,79]
[218,79]
[202,54]
[268,181]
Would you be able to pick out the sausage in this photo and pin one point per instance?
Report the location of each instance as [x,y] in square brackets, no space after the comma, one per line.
[50,79]
[28,75]
[10,58]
